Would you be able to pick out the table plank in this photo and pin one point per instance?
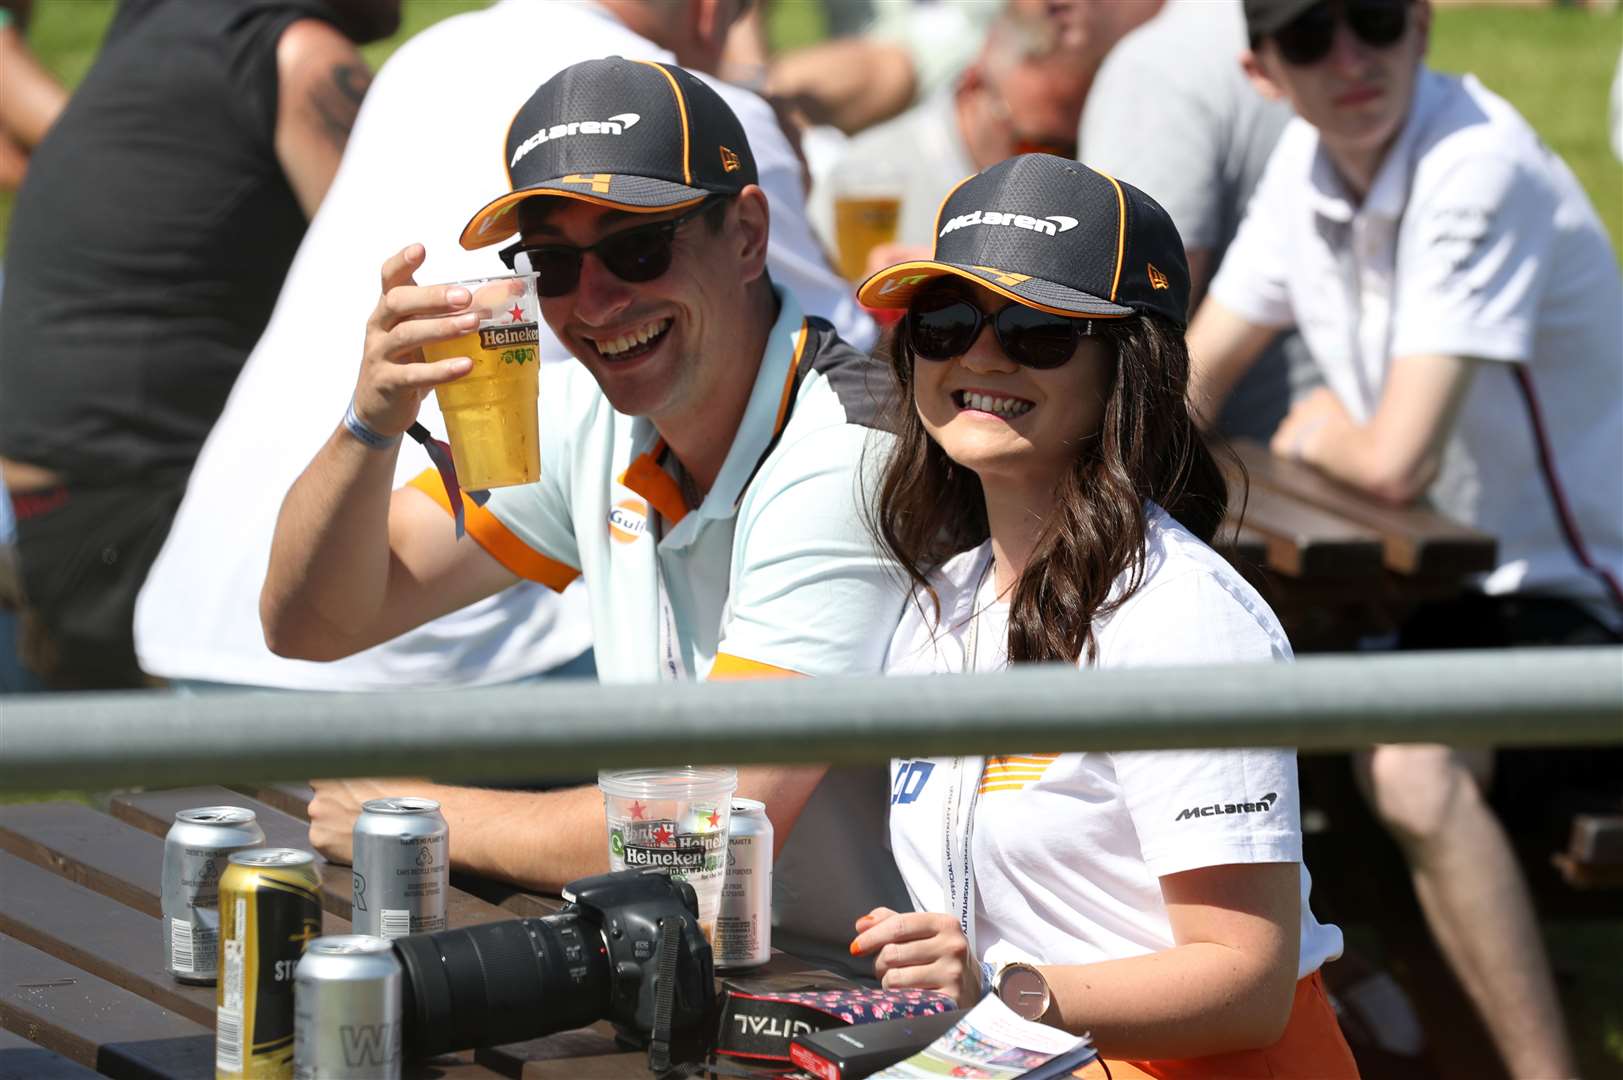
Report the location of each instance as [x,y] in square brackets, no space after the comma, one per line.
[1415,539]
[23,1060]
[1303,541]
[95,1023]
[99,853]
[292,799]
[154,811]
[92,932]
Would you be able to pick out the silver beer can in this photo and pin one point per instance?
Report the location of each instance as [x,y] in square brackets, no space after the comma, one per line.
[744,924]
[194,856]
[402,867]
[346,1010]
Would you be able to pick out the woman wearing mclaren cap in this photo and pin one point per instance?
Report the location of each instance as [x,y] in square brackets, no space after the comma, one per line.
[1051,501]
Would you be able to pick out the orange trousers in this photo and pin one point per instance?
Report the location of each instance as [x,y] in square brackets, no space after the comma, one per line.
[1312,1048]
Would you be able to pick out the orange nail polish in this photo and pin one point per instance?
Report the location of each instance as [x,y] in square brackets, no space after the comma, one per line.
[854,950]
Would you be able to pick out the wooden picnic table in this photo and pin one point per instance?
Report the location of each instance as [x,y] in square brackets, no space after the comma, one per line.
[83,986]
[1338,565]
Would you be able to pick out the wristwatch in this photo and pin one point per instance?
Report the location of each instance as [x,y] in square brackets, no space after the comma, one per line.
[1023,989]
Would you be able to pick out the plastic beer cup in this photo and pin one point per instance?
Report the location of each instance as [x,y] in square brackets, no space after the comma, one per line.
[673,820]
[490,413]
[867,206]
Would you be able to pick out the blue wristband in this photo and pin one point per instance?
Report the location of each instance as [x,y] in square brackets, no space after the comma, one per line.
[373,439]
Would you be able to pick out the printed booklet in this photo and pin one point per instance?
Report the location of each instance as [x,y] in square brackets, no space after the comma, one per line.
[991,1043]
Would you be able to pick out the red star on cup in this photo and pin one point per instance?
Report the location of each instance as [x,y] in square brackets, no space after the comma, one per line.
[636,811]
[714,818]
[517,312]
[662,836]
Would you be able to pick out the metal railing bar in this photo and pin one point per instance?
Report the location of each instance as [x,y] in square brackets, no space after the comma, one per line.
[538,730]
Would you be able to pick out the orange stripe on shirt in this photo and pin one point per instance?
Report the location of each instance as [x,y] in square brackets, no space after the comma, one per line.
[728,666]
[489,533]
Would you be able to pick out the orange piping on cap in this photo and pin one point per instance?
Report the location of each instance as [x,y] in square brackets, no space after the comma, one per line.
[943,206]
[947,268]
[682,108]
[1121,230]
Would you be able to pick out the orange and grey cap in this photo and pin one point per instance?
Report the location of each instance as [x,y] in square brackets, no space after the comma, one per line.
[630,134]
[1054,235]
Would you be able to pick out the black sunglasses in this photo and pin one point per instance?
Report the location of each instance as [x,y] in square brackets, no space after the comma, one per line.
[942,325]
[638,254]
[1307,38]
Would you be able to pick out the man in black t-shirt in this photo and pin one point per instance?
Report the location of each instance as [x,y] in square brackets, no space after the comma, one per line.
[147,247]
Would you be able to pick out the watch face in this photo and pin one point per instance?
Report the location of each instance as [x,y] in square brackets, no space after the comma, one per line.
[1023,989]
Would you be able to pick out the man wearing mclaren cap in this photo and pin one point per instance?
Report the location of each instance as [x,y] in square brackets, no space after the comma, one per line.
[698,466]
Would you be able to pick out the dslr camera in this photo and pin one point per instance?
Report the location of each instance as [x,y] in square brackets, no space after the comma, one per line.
[627,948]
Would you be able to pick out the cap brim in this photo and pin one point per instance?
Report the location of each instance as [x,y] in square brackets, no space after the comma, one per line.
[498,219]
[895,287]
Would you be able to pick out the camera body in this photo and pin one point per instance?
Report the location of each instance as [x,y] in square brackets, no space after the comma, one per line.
[598,958]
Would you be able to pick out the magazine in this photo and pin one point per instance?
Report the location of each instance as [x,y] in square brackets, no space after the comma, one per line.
[992,1043]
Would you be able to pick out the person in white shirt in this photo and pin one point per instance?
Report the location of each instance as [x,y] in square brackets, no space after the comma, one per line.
[698,465]
[1455,286]
[1050,500]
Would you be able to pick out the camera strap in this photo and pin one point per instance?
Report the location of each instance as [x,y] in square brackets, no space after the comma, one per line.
[665,957]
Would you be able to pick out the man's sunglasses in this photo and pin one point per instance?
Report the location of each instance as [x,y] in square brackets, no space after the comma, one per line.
[940,326]
[1307,39]
[638,254]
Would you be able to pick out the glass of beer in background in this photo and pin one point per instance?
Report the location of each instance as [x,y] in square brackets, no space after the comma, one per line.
[867,203]
[490,413]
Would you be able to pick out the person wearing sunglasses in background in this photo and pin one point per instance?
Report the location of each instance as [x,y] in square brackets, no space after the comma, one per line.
[1050,501]
[1455,286]
[699,464]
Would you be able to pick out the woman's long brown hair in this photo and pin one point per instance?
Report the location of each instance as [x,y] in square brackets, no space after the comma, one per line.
[928,508]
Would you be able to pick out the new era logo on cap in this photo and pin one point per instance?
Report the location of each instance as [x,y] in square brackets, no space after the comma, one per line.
[1053,234]
[631,134]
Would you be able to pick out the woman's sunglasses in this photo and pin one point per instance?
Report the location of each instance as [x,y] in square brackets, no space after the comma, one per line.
[1307,38]
[638,254]
[940,326]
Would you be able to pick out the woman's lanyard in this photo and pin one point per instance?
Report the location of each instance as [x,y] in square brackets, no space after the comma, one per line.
[958,816]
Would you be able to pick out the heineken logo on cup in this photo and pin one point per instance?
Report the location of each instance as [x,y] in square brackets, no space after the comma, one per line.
[499,337]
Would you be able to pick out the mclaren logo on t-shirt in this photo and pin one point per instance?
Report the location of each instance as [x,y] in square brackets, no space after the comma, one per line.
[1261,806]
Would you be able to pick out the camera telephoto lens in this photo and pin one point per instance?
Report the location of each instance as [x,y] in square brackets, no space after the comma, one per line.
[510,981]
[501,982]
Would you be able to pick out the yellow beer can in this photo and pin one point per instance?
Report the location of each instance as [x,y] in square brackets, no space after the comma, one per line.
[270,908]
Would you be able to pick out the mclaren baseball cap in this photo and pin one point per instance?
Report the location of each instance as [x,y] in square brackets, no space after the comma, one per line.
[631,134]
[1054,235]
[1263,17]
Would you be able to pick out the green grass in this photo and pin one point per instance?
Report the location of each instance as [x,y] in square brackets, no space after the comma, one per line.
[1555,65]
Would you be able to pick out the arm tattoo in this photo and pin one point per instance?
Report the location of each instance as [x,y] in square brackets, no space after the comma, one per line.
[337,101]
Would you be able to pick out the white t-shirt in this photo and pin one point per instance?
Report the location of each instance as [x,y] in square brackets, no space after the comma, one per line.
[1474,241]
[1066,849]
[425,152]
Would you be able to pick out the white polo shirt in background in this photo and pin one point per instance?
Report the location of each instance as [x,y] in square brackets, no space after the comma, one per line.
[1474,241]
[1067,849]
[426,149]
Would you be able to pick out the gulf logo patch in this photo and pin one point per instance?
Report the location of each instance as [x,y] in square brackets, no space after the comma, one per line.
[628,520]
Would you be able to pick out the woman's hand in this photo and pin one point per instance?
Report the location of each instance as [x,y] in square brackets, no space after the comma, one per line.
[394,376]
[919,950]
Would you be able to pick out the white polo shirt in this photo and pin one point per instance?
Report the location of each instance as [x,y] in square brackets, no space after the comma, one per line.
[1474,241]
[775,567]
[1067,850]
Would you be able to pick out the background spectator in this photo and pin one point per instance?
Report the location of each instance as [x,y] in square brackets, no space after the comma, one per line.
[30,96]
[1455,286]
[1198,144]
[151,236]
